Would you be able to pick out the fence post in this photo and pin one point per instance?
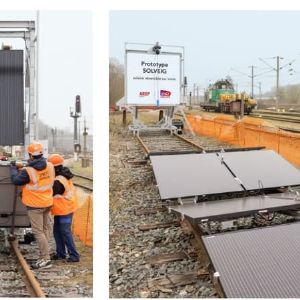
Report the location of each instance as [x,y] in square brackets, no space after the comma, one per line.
[278,134]
[87,218]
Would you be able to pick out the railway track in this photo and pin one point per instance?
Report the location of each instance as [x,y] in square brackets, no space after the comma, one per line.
[275,113]
[16,273]
[18,280]
[157,143]
[290,117]
[178,269]
[83,182]
[154,143]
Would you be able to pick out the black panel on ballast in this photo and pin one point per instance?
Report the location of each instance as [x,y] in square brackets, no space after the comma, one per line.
[192,175]
[257,263]
[236,207]
[11,97]
[264,166]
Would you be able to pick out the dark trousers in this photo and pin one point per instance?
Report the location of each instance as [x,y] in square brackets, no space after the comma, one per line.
[63,237]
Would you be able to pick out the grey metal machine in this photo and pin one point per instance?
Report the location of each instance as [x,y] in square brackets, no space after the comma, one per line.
[12,212]
[19,105]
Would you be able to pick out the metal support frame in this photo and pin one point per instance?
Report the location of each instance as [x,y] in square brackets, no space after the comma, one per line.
[166,122]
[26,31]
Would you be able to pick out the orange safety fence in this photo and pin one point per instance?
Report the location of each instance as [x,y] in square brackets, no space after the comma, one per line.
[249,132]
[83,222]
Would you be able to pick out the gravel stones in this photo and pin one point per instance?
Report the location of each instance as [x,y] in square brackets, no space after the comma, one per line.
[132,186]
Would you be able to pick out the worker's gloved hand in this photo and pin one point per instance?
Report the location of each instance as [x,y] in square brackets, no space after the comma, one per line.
[13,163]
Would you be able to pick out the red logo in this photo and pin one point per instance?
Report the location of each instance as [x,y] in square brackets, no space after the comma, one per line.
[144,94]
[165,94]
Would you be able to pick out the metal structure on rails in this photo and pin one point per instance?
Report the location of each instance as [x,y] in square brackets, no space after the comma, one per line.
[25,30]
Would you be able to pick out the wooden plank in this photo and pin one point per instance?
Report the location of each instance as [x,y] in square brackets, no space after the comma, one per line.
[145,227]
[171,281]
[198,244]
[186,229]
[166,258]
[137,162]
[149,211]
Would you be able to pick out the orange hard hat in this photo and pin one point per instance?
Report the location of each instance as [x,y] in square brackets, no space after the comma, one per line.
[56,159]
[35,149]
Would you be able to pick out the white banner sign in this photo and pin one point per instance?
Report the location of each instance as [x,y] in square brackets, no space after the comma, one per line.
[153,79]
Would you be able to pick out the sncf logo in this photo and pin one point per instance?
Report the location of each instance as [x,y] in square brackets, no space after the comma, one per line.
[144,94]
[165,94]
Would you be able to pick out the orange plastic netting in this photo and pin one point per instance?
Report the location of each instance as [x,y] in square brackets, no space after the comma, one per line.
[249,132]
[83,222]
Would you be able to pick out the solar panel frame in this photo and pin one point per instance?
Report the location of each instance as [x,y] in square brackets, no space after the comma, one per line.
[264,165]
[180,176]
[236,207]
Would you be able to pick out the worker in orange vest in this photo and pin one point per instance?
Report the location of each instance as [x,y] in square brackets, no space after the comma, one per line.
[37,180]
[65,202]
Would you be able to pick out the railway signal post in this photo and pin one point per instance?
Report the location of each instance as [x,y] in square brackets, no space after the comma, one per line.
[75,115]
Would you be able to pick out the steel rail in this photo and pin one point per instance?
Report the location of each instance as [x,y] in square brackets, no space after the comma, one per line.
[83,177]
[143,144]
[274,113]
[188,141]
[83,186]
[34,284]
[276,118]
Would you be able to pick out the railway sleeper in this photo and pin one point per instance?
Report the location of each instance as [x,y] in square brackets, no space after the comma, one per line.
[166,258]
[146,227]
[175,280]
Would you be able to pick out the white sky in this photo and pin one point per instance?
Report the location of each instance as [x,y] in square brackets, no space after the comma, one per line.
[216,41]
[65,59]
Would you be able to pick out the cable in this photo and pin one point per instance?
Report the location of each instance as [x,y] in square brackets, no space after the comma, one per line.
[267,64]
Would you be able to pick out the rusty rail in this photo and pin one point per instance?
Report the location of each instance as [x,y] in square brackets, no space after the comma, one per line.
[143,144]
[203,255]
[35,288]
[189,142]
[83,177]
[89,179]
[83,187]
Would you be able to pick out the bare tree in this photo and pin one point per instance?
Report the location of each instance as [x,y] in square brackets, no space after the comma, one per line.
[116,81]
[292,94]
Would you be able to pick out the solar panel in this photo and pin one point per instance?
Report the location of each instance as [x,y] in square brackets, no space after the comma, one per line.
[257,263]
[192,175]
[237,207]
[265,166]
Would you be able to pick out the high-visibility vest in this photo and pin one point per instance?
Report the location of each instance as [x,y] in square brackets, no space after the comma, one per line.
[67,202]
[38,192]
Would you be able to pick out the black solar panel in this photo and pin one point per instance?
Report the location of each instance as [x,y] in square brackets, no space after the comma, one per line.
[257,263]
[237,207]
[265,166]
[192,175]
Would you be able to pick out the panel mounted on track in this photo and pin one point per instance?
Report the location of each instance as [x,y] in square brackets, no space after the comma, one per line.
[264,166]
[11,97]
[236,207]
[180,176]
[257,263]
